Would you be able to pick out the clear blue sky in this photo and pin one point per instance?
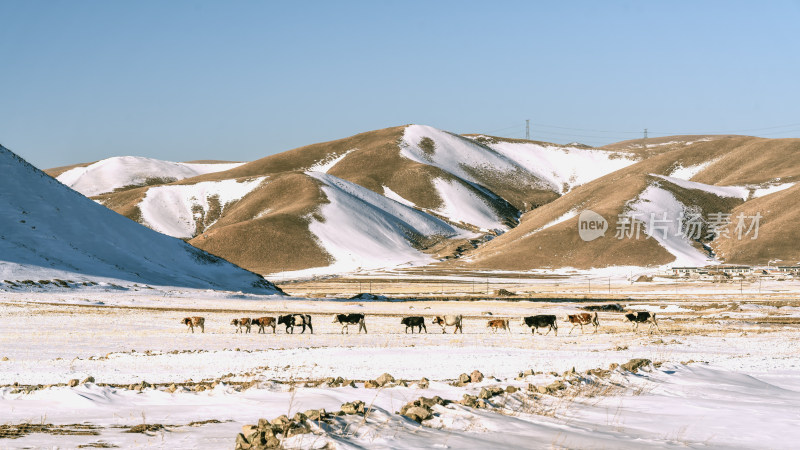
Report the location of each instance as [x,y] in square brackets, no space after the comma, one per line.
[239,80]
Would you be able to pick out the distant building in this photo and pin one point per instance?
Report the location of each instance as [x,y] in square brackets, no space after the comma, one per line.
[789,269]
[686,271]
[730,269]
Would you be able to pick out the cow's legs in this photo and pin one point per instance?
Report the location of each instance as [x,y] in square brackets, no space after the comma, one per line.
[423,327]
[361,325]
[570,330]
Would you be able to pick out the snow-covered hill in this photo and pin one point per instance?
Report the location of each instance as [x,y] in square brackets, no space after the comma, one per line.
[333,207]
[361,229]
[121,171]
[50,231]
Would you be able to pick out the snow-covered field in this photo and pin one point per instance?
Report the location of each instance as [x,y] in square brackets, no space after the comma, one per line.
[727,373]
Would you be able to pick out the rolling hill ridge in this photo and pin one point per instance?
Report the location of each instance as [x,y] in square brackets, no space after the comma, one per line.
[415,195]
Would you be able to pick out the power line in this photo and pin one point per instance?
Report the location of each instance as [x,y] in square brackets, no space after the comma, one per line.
[592,130]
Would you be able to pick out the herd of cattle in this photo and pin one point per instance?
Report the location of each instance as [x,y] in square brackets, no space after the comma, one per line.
[244,324]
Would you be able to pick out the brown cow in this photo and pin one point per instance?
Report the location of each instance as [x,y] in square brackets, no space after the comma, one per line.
[244,322]
[265,322]
[195,321]
[583,319]
[499,324]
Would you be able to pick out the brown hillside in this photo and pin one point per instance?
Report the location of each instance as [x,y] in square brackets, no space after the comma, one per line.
[778,232]
[560,245]
[267,230]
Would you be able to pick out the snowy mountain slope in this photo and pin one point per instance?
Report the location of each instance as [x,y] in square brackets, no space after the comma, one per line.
[660,214]
[530,193]
[49,230]
[659,185]
[362,229]
[563,167]
[268,227]
[184,211]
[121,171]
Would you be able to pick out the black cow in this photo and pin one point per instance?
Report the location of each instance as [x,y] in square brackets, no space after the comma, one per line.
[351,319]
[541,321]
[414,321]
[296,320]
[642,317]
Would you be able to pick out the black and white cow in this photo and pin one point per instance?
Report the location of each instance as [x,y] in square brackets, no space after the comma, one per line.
[449,321]
[541,321]
[296,320]
[414,321]
[351,319]
[642,317]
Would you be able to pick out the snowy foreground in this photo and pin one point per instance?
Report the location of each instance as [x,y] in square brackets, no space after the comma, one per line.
[727,374]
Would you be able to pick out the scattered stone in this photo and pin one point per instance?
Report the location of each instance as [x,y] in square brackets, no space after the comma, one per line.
[297,428]
[402,383]
[5,358]
[281,420]
[424,383]
[384,379]
[172,388]
[299,417]
[489,392]
[527,373]
[315,414]
[511,389]
[247,430]
[469,400]
[463,379]
[199,388]
[73,382]
[89,379]
[145,427]
[418,413]
[356,407]
[613,366]
[371,384]
[635,364]
[476,376]
[602,373]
